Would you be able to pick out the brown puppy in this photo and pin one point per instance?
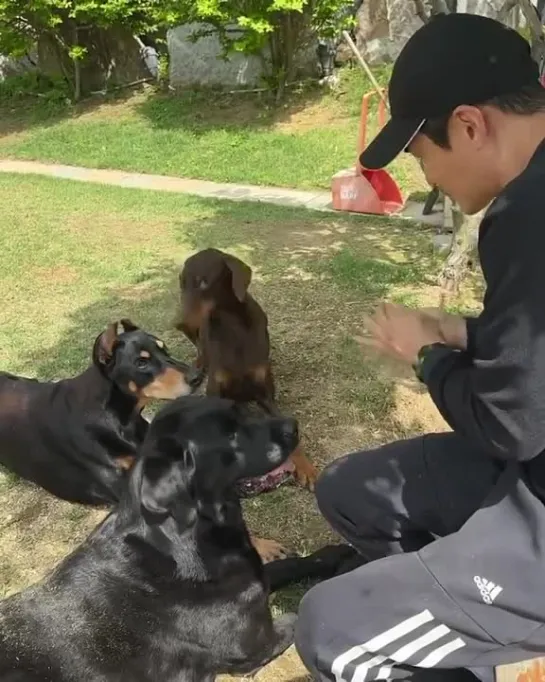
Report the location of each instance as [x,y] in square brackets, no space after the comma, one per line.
[230,330]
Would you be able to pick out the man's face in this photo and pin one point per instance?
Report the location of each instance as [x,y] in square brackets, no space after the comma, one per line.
[468,170]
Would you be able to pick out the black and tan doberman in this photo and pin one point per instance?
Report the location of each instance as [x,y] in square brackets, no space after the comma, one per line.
[77,438]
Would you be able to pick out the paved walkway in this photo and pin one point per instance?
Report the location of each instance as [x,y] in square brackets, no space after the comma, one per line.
[317,200]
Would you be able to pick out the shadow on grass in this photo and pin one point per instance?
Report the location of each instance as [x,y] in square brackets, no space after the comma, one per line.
[18,114]
[315,277]
[202,110]
[197,110]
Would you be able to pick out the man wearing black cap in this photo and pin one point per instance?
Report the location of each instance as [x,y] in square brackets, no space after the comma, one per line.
[451,526]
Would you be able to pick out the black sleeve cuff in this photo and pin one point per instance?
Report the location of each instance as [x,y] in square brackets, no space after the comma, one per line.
[471,329]
[435,357]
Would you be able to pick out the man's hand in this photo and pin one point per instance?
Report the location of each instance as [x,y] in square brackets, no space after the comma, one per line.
[401,332]
[453,328]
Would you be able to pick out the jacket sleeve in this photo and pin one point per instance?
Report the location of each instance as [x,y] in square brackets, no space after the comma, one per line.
[471,329]
[494,393]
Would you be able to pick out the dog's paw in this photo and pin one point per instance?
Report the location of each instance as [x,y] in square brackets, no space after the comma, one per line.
[332,557]
[286,623]
[306,473]
[270,550]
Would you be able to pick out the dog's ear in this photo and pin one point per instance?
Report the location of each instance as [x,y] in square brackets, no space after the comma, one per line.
[125,325]
[164,480]
[104,344]
[241,275]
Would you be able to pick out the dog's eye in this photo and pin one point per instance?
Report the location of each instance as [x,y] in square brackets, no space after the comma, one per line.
[142,363]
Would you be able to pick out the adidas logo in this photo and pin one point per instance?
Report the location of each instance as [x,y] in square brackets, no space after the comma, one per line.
[489,590]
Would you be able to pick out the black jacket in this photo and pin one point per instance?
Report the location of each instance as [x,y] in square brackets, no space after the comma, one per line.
[494,393]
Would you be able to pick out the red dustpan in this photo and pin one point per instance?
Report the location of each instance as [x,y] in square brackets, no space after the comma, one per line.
[366,191]
[380,180]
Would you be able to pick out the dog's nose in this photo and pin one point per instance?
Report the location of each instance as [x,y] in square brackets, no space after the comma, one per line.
[195,376]
[290,429]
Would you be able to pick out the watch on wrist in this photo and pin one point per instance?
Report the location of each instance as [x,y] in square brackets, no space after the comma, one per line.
[421,357]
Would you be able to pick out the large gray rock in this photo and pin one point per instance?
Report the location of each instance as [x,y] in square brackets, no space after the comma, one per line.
[13,67]
[372,22]
[201,63]
[403,22]
[383,28]
[486,8]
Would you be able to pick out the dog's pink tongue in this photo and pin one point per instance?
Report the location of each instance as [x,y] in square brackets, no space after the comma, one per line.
[288,466]
[270,481]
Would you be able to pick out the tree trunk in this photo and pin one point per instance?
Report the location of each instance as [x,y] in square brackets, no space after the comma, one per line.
[112,57]
[463,249]
[290,36]
[77,69]
[431,200]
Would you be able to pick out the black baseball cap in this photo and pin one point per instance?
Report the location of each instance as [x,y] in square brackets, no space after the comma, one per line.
[454,59]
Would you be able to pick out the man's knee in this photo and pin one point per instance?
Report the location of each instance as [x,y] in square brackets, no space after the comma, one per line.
[337,491]
[312,618]
[326,491]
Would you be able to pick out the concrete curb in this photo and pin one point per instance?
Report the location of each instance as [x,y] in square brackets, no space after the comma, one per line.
[316,200]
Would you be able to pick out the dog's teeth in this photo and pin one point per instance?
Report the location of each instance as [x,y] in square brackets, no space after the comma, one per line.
[275,454]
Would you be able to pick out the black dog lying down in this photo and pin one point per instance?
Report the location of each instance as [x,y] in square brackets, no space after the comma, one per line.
[78,437]
[169,586]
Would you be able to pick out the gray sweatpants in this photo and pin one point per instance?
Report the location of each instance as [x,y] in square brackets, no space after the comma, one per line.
[456,574]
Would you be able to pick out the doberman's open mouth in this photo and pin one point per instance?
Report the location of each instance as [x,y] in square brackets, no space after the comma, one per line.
[249,487]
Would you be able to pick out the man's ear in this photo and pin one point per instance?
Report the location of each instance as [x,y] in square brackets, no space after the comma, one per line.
[164,480]
[241,276]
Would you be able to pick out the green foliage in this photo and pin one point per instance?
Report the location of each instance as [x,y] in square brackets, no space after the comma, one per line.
[277,28]
[51,92]
[280,28]
[24,22]
[262,17]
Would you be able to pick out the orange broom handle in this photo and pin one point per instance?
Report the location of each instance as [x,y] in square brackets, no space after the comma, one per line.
[363,127]
[382,115]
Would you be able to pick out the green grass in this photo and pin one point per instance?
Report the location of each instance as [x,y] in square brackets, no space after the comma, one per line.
[208,135]
[76,257]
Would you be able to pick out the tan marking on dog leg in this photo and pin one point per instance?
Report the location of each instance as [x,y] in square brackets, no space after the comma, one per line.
[269,550]
[125,462]
[222,377]
[305,471]
[260,373]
